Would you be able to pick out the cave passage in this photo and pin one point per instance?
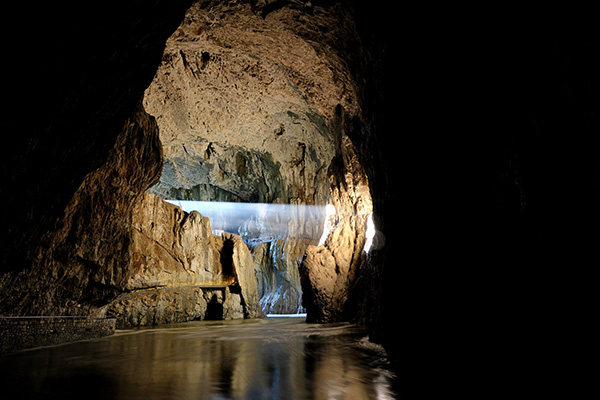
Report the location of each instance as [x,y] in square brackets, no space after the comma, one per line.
[277,236]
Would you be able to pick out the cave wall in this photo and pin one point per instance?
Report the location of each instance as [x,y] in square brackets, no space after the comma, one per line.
[245,100]
[77,182]
[334,274]
[80,266]
[248,99]
[82,262]
[83,165]
[68,101]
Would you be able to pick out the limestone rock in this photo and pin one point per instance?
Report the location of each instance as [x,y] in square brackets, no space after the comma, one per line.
[244,103]
[83,263]
[173,248]
[174,254]
[318,282]
[117,244]
[235,251]
[333,275]
[158,306]
[63,119]
[254,103]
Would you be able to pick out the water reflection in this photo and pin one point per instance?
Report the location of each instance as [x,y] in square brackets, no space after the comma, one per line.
[273,358]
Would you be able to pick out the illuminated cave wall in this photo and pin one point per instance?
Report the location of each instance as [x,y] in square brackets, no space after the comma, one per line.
[255,105]
[292,131]
[82,150]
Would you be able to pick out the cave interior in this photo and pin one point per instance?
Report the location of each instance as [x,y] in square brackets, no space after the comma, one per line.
[470,147]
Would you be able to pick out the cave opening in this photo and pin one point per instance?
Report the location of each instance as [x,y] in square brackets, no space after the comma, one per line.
[214,309]
[226,259]
[266,230]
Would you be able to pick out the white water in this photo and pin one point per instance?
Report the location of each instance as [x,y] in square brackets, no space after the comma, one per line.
[271,358]
[276,218]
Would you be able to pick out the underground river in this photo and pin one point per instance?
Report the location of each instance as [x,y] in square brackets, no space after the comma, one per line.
[271,358]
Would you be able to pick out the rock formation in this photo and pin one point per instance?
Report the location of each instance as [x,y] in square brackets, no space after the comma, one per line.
[179,271]
[64,118]
[243,103]
[121,252]
[83,262]
[248,99]
[330,273]
[277,109]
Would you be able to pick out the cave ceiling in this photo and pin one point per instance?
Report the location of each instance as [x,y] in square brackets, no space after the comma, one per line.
[246,98]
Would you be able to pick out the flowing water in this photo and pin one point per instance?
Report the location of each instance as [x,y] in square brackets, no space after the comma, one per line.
[271,358]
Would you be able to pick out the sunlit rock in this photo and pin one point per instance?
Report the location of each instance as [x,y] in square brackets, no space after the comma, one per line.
[173,248]
[175,254]
[119,251]
[83,263]
[247,105]
[331,273]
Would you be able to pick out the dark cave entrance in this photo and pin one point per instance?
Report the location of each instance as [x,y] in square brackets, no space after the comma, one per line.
[214,309]
[227,259]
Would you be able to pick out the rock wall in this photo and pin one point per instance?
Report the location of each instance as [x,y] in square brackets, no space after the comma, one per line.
[90,241]
[83,263]
[244,100]
[334,274]
[173,248]
[115,242]
[248,99]
[180,272]
[64,117]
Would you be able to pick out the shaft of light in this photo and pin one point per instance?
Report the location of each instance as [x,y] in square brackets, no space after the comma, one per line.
[272,219]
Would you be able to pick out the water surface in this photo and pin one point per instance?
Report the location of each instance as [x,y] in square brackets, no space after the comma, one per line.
[271,358]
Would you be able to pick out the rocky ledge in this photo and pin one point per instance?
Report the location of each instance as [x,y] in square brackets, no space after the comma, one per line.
[253,100]
[122,252]
[180,271]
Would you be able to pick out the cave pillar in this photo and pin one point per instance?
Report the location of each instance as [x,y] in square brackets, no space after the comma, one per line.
[330,273]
